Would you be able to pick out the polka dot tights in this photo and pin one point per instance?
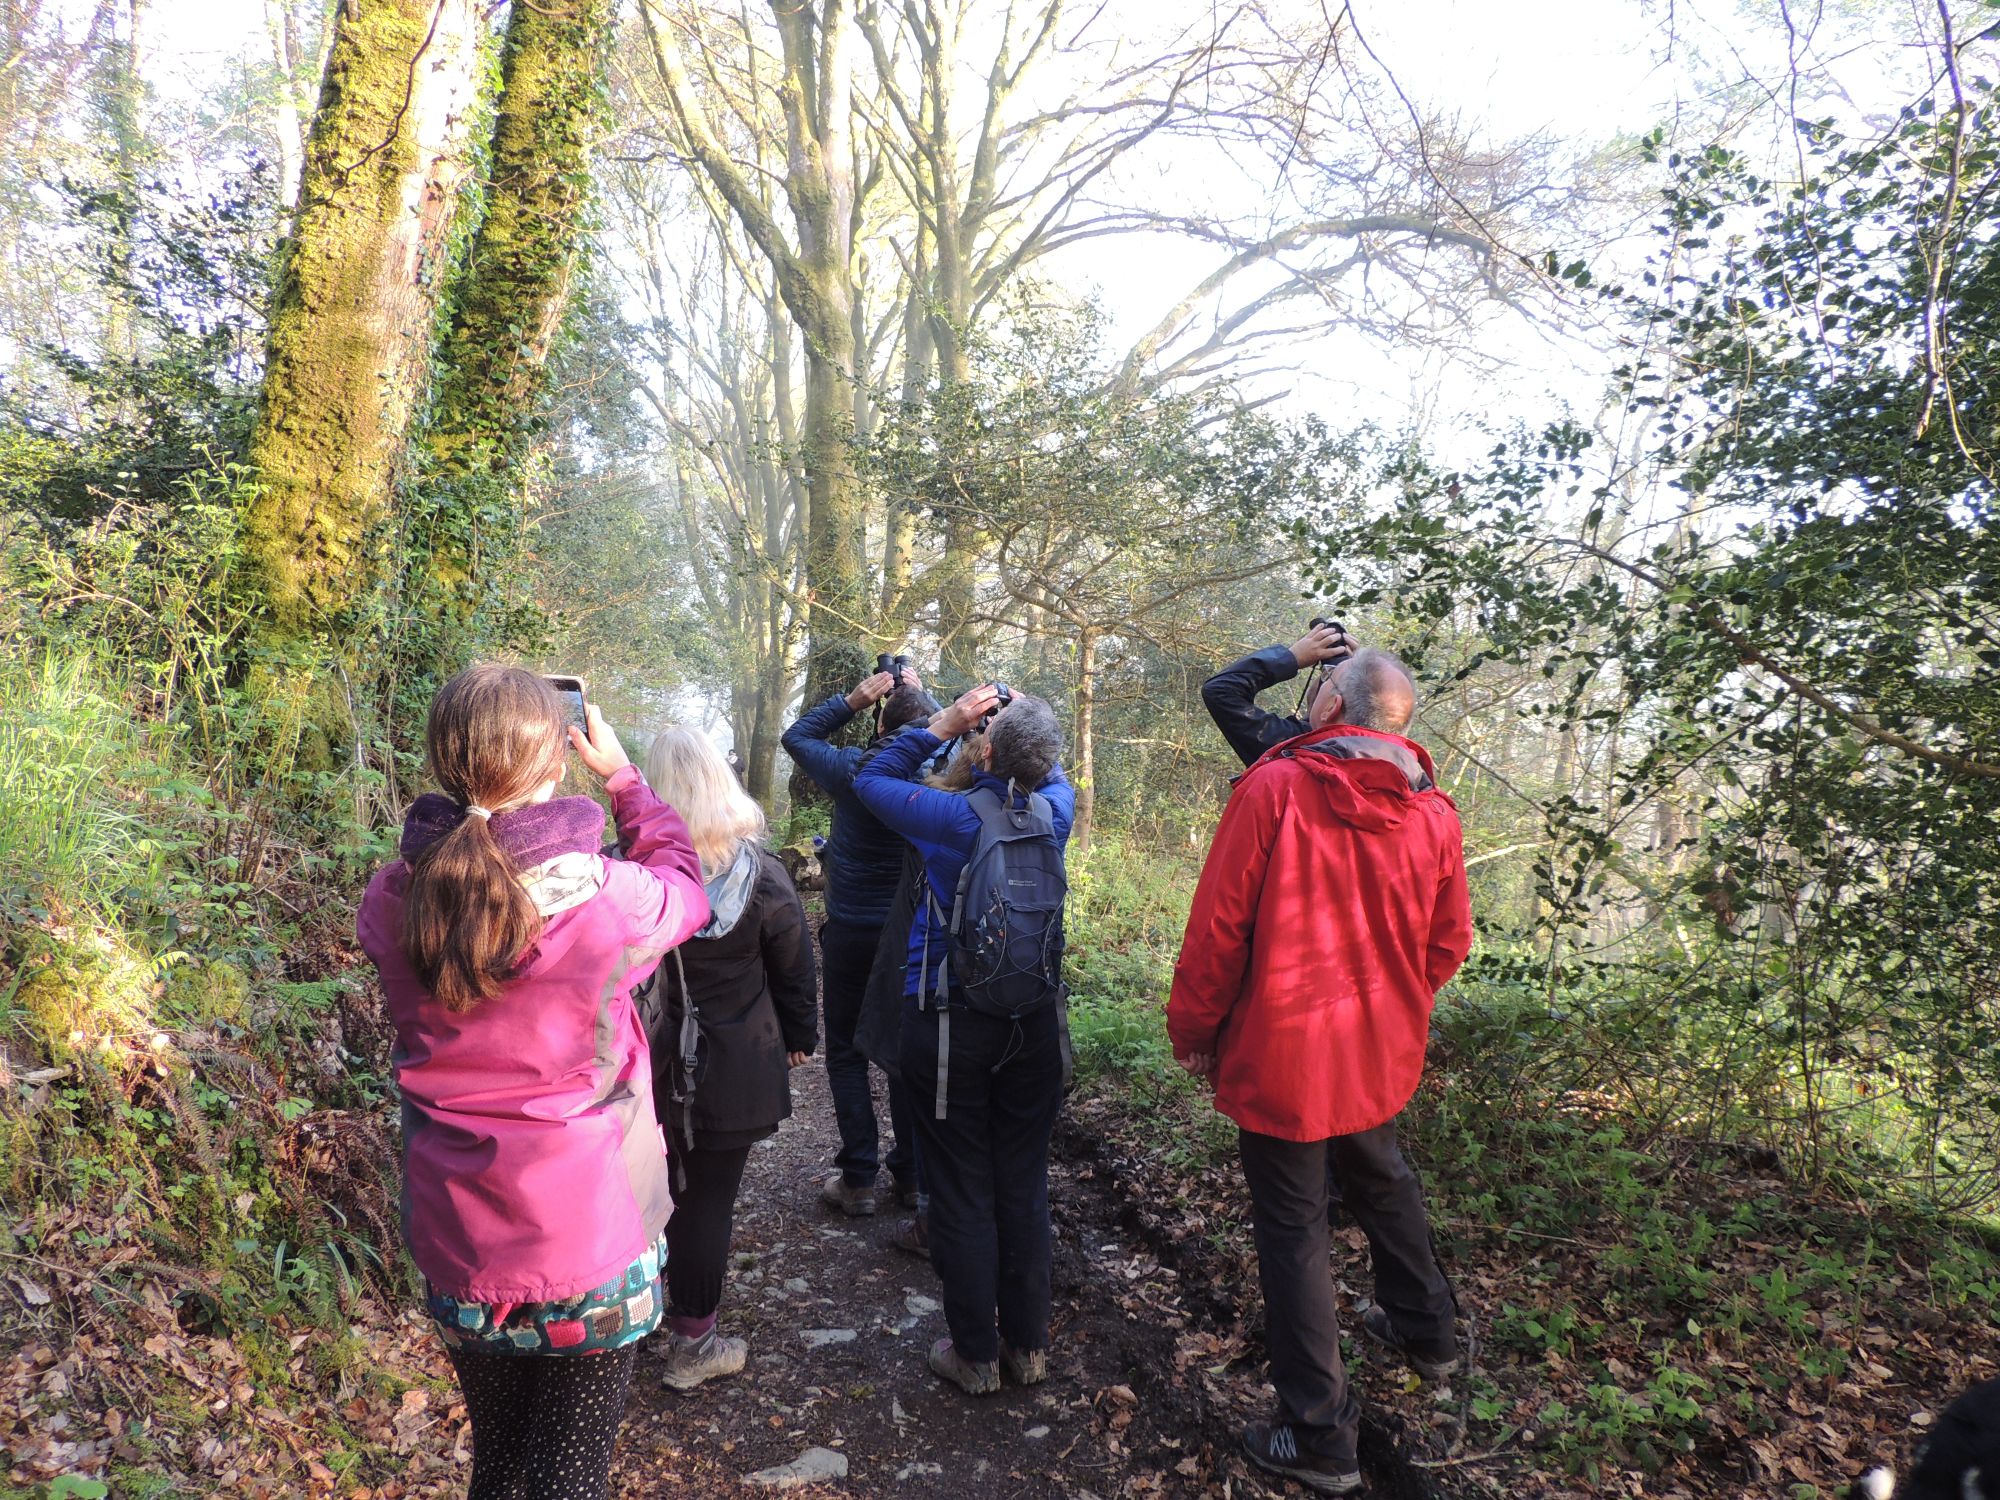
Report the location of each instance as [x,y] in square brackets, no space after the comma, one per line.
[543,1427]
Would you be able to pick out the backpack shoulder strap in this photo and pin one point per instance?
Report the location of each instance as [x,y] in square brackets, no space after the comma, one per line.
[995,825]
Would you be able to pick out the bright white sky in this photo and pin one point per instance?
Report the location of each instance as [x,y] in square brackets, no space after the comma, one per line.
[1589,71]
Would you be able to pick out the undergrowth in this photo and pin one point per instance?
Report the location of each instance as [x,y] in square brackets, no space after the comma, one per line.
[189,1151]
[1650,1281]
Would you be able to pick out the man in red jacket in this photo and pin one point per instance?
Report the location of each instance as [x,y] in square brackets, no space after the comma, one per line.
[1332,907]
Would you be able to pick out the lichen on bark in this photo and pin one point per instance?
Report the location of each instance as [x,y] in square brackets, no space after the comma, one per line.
[354,312]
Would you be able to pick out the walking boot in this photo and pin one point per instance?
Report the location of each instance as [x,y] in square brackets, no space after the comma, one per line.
[855,1202]
[1276,1446]
[1432,1364]
[1024,1366]
[691,1361]
[973,1379]
[912,1237]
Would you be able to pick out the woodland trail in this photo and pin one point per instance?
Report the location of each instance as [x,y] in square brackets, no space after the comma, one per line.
[1126,1410]
[838,1325]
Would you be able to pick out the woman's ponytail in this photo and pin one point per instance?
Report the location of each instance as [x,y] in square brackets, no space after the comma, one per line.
[495,735]
[466,919]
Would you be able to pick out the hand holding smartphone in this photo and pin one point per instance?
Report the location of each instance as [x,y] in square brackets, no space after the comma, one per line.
[575,709]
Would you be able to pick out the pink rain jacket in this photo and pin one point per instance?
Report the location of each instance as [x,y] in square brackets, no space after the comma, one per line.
[534,1167]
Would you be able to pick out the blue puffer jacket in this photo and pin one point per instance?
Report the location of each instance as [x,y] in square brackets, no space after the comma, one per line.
[863,860]
[943,828]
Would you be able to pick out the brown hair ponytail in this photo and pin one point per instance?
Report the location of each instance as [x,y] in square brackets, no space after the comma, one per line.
[495,735]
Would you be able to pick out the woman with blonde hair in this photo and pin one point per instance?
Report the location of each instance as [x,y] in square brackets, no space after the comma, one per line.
[727,1023]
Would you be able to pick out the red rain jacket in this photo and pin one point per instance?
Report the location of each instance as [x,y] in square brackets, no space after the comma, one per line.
[1332,908]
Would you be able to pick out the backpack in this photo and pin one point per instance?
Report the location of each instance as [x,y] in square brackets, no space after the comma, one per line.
[676,1059]
[1006,922]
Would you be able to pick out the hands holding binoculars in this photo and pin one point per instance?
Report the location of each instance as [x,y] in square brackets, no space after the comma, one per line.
[876,686]
[1325,642]
[972,710]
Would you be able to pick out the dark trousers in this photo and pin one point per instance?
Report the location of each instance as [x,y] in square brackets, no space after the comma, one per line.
[698,1235]
[543,1426]
[1288,1204]
[986,1168]
[846,954]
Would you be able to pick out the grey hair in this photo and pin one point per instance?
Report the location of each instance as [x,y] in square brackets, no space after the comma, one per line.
[1027,741]
[1376,690]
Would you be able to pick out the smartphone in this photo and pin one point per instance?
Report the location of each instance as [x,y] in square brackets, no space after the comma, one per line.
[570,690]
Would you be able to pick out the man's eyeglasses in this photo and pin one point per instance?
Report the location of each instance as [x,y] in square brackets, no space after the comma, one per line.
[1314,679]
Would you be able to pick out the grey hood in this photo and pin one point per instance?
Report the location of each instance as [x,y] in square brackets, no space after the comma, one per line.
[729,892]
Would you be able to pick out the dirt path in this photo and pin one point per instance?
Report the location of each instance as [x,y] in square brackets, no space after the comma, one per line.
[1151,1370]
[838,1326]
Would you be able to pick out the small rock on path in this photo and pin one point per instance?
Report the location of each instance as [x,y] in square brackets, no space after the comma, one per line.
[813,1466]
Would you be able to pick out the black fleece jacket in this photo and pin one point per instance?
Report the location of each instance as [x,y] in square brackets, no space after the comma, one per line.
[756,998]
[1231,698]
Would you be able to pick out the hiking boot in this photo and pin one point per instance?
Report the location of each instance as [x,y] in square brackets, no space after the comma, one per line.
[973,1379]
[906,1192]
[1276,1446]
[691,1361]
[1432,1364]
[1024,1366]
[855,1202]
[912,1237]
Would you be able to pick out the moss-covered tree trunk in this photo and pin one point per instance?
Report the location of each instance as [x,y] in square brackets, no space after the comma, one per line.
[517,280]
[353,318]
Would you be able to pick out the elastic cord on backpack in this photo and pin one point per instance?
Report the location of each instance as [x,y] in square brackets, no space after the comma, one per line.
[684,1082]
[938,998]
[944,1057]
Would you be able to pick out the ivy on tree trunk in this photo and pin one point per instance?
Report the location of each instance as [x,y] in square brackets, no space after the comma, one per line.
[516,284]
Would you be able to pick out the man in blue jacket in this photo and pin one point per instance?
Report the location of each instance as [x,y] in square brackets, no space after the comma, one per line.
[863,862]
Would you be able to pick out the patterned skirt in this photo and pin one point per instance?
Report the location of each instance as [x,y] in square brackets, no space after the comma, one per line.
[622,1311]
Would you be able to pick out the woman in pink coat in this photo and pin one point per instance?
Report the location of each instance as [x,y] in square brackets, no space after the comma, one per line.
[535,1177]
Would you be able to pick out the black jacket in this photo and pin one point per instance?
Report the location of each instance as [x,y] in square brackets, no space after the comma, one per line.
[862,858]
[755,995]
[1231,698]
[878,1031]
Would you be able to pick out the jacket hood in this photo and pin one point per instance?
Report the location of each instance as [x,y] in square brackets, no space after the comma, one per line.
[729,891]
[1371,779]
[531,834]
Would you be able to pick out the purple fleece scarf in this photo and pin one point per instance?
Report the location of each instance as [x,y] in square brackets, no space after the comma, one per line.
[530,834]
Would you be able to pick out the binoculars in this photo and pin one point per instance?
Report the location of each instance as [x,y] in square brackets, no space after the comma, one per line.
[1006,697]
[893,665]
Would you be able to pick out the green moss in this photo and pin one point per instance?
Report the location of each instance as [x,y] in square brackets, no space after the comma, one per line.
[340,1360]
[90,992]
[350,337]
[17,1157]
[142,1482]
[203,993]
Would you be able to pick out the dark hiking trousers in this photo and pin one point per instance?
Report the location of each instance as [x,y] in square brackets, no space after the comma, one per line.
[543,1426]
[846,954]
[986,1168]
[1288,1204]
[698,1235]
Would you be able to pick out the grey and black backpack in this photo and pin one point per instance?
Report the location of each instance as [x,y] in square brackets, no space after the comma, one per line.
[1007,915]
[1006,919]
